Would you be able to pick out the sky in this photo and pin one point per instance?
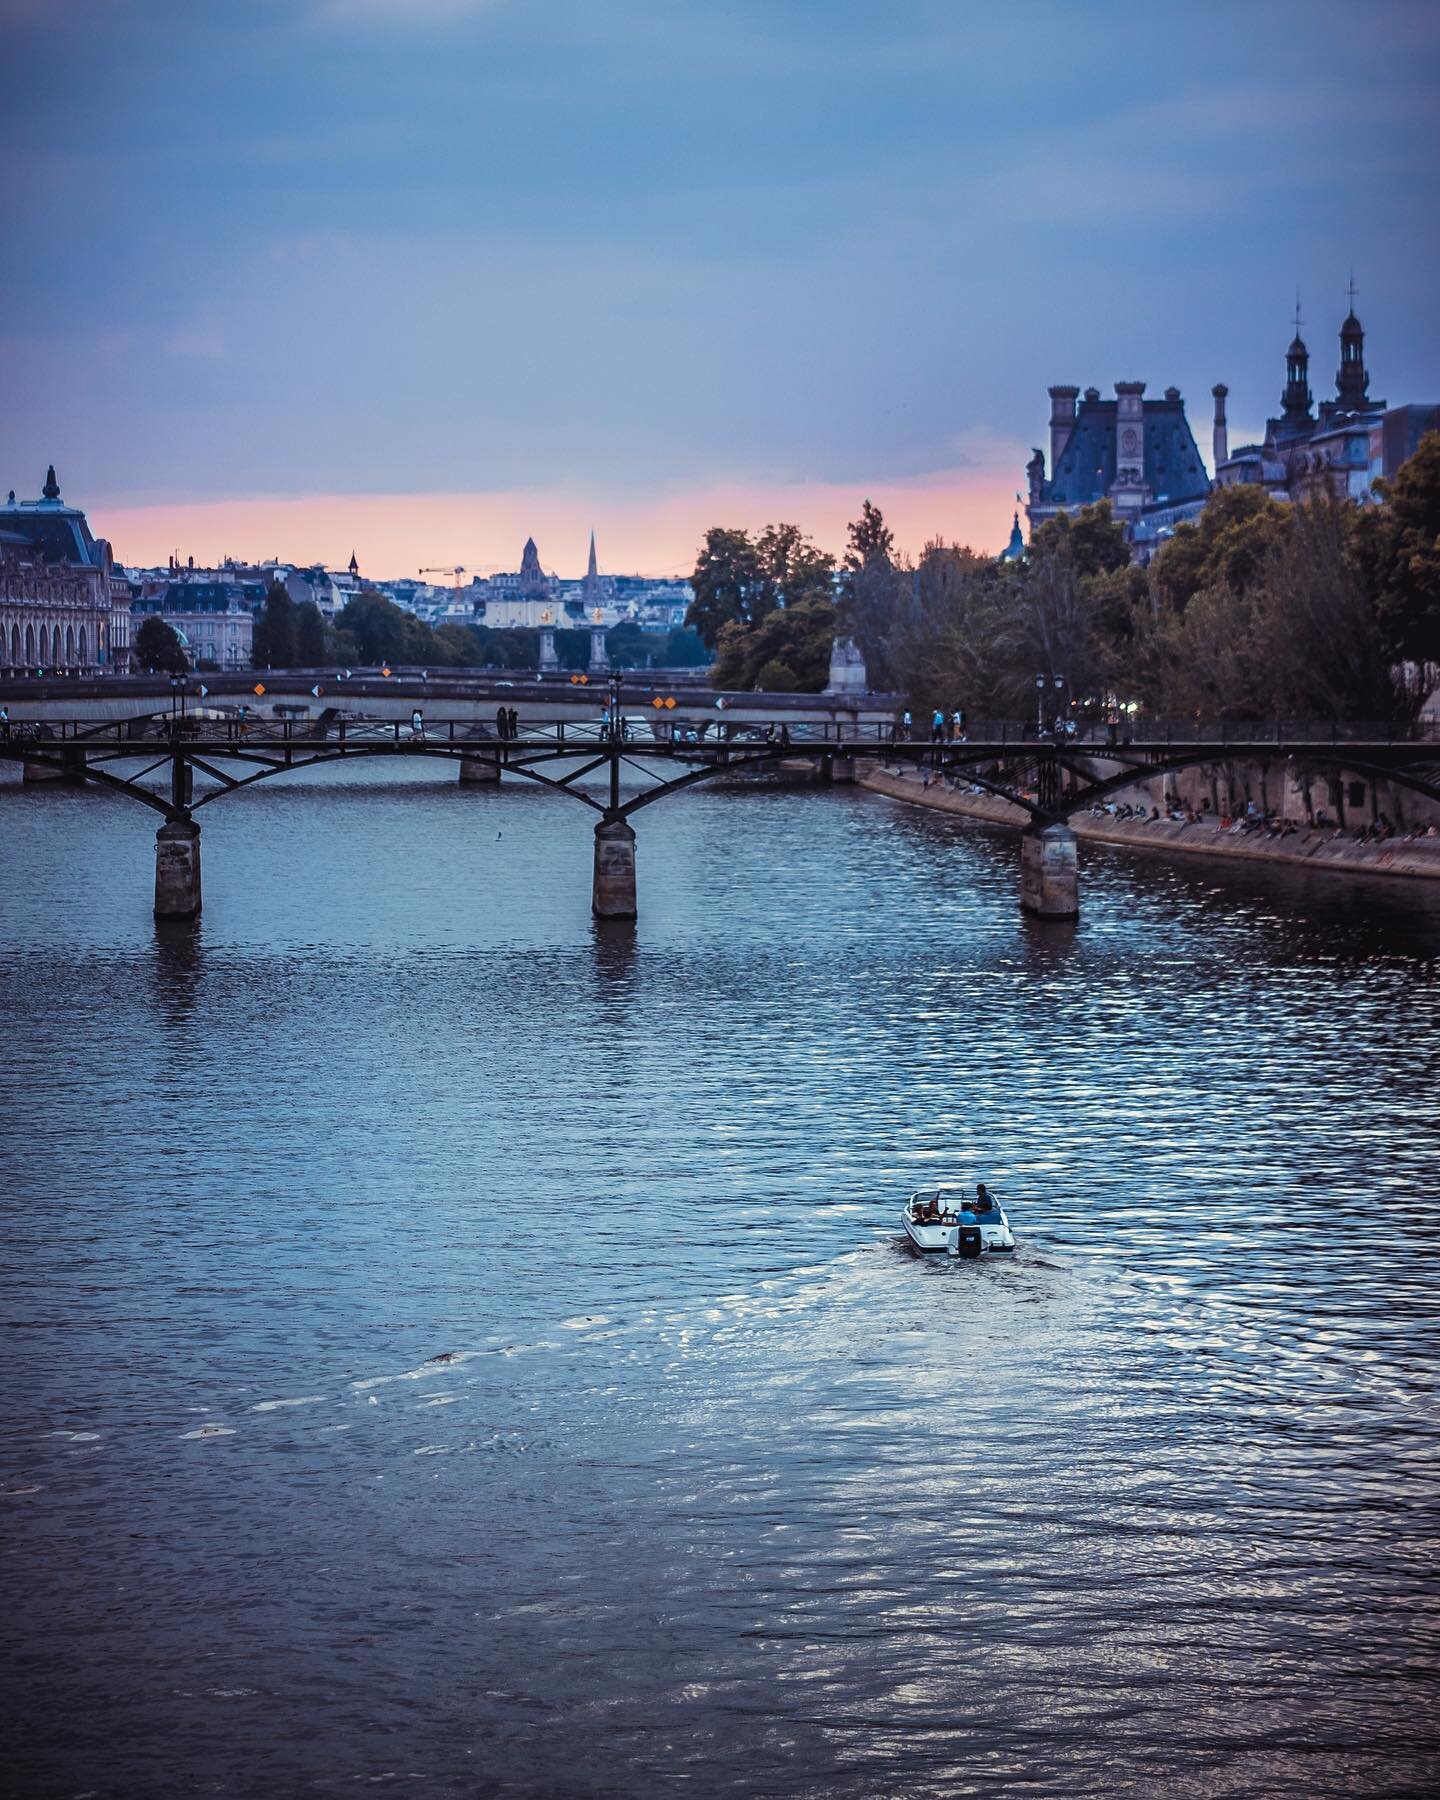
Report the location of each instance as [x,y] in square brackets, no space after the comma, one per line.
[424,277]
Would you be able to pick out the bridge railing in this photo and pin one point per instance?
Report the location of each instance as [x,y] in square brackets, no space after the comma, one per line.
[640,729]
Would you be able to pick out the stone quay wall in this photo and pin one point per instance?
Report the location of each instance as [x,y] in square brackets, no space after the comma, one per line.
[1313,848]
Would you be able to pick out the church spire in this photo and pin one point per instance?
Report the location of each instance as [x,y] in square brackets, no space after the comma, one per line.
[592,572]
[1351,381]
[1295,401]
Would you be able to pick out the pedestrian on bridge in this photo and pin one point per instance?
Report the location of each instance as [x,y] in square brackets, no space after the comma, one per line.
[502,722]
[937,727]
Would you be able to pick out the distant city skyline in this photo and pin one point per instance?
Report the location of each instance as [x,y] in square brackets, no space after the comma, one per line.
[422,279]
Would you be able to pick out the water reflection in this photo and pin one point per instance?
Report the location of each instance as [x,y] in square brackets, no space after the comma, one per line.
[177,968]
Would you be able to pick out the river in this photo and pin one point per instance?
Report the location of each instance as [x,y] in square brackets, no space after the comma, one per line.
[460,1350]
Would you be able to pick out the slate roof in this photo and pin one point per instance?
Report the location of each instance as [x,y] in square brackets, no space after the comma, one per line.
[201,597]
[1085,470]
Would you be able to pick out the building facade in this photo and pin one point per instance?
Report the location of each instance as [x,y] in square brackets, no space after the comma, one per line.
[214,618]
[62,606]
[1340,447]
[1136,453]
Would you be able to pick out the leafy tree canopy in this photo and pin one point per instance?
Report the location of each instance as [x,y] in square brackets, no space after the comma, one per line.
[740,580]
[1231,541]
[1397,547]
[273,643]
[1092,539]
[789,650]
[157,647]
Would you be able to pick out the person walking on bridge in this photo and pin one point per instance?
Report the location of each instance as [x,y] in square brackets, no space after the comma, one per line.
[937,727]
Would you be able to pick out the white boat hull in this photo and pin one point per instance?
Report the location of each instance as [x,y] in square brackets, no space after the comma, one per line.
[969,1235]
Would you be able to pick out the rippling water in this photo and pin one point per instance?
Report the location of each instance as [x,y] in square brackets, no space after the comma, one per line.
[458,1348]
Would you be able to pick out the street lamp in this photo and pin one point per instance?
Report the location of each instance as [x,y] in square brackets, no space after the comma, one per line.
[1045,684]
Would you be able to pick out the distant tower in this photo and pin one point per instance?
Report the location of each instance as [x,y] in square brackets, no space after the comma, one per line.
[1351,382]
[1296,419]
[533,585]
[1014,551]
[1220,441]
[354,566]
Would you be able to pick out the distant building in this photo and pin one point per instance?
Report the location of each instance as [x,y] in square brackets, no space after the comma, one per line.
[531,599]
[1138,454]
[328,592]
[214,618]
[62,606]
[1014,551]
[1339,447]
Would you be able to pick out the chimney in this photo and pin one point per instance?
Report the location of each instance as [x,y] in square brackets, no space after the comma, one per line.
[1220,443]
[1062,421]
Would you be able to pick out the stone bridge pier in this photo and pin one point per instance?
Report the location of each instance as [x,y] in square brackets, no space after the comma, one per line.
[614,895]
[1049,879]
[177,869]
[478,770]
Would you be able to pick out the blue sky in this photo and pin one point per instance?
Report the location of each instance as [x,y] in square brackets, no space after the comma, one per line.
[584,260]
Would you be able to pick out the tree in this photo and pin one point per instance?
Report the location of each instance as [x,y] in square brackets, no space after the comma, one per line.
[725,582]
[792,570]
[309,635]
[158,649]
[456,647]
[948,645]
[1093,539]
[788,650]
[870,590]
[1230,542]
[386,633]
[273,641]
[1397,546]
[1326,650]
[741,580]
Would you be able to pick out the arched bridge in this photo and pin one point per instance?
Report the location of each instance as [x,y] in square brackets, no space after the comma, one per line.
[177,763]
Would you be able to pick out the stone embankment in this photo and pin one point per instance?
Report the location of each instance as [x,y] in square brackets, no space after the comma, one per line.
[1419,856]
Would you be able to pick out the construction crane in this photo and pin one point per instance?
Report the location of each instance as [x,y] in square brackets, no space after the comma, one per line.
[457,571]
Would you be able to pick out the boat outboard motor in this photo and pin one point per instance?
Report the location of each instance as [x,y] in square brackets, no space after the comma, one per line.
[968,1241]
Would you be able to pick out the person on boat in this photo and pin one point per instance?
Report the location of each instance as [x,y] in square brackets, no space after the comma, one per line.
[982,1198]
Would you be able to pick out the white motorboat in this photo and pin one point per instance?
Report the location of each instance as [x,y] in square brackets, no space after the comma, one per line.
[949,1220]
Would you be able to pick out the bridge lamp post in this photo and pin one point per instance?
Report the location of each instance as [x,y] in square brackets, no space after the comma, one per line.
[1045,684]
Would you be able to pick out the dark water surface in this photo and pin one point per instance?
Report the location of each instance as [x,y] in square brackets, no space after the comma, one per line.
[720,1491]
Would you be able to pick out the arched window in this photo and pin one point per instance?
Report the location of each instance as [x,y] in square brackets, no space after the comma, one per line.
[55,646]
[29,645]
[14,646]
[69,646]
[84,650]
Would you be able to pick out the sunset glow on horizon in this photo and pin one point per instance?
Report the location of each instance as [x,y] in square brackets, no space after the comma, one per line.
[395,535]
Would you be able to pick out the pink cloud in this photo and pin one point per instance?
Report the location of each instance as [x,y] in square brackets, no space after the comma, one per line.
[396,534]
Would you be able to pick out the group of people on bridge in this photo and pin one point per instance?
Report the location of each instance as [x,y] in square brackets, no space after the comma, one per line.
[943,729]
